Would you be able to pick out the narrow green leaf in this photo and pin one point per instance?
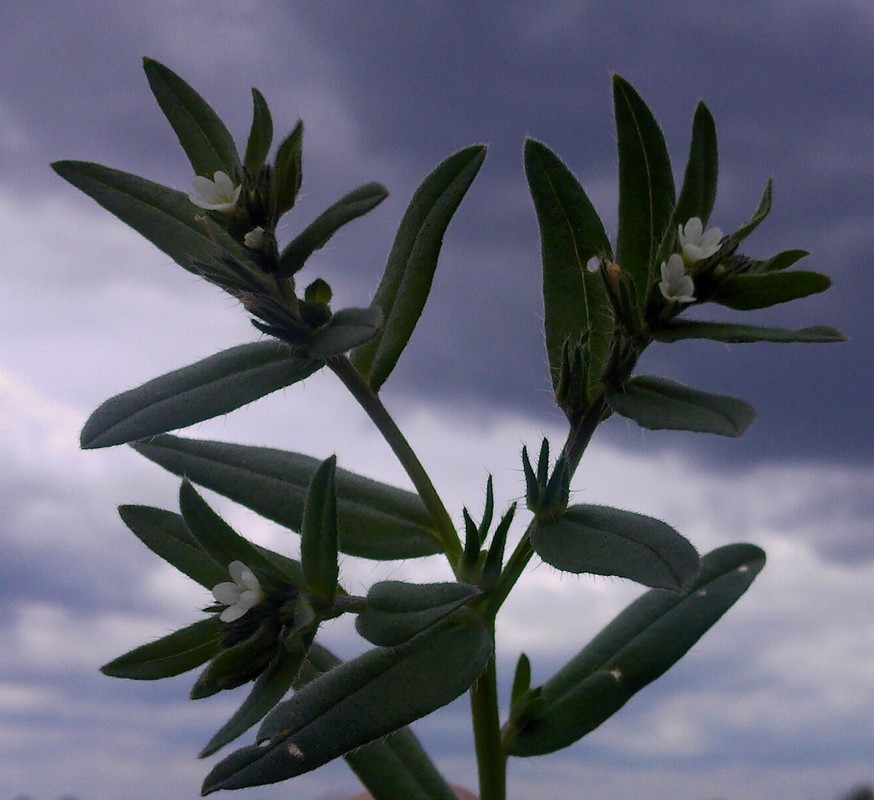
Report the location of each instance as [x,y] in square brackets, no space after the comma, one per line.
[748,292]
[214,535]
[317,234]
[394,767]
[637,647]
[608,541]
[381,691]
[289,169]
[761,212]
[348,328]
[678,330]
[398,611]
[378,521]
[571,233]
[521,679]
[203,136]
[783,260]
[495,558]
[260,134]
[320,534]
[660,404]
[406,282]
[214,386]
[171,655]
[270,687]
[167,218]
[646,187]
[167,535]
[698,193]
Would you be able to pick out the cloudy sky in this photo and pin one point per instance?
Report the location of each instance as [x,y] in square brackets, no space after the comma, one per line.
[776,701]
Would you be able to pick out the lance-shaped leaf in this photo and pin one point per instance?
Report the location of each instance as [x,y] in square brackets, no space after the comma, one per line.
[748,292]
[677,330]
[397,611]
[348,328]
[571,233]
[378,521]
[214,535]
[167,218]
[289,169]
[359,702]
[407,279]
[646,187]
[317,234]
[698,193]
[637,647]
[396,766]
[214,386]
[270,687]
[167,535]
[608,541]
[758,217]
[203,136]
[171,655]
[260,134]
[660,404]
[320,534]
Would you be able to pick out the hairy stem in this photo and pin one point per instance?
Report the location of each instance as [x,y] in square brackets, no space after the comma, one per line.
[487,735]
[372,405]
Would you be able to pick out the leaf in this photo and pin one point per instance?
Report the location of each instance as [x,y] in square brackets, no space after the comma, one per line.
[660,404]
[260,134]
[378,521]
[761,212]
[167,535]
[698,193]
[214,535]
[203,136]
[348,328]
[359,702]
[393,767]
[571,233]
[678,330]
[608,541]
[289,170]
[167,218]
[317,234]
[270,687]
[214,386]
[171,655]
[646,187]
[637,647]
[406,282]
[747,292]
[398,611]
[319,533]
[782,260]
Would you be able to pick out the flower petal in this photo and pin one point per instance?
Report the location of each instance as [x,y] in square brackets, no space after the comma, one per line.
[232,613]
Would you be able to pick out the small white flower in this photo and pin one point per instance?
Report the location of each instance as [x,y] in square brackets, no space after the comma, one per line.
[241,595]
[255,239]
[218,194]
[696,243]
[676,285]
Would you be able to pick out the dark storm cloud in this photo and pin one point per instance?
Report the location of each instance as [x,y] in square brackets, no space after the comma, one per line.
[786,83]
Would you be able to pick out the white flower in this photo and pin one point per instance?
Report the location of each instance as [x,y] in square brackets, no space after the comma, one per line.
[696,243]
[676,285]
[255,239]
[218,194]
[241,595]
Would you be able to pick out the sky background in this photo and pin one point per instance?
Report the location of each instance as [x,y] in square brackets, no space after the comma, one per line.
[776,701]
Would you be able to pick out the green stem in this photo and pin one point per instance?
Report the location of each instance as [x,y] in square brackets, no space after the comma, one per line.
[372,405]
[487,735]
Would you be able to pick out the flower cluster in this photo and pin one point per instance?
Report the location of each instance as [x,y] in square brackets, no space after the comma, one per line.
[696,244]
[240,595]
